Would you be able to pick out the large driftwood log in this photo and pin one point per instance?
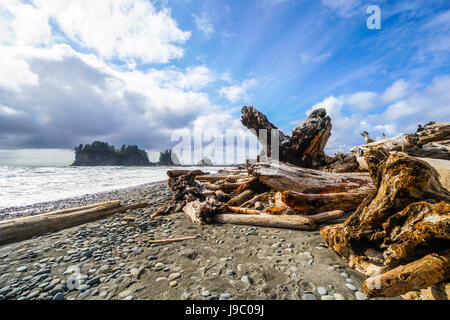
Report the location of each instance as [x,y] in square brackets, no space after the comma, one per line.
[26,227]
[313,203]
[406,218]
[267,220]
[304,148]
[282,177]
[432,142]
[418,274]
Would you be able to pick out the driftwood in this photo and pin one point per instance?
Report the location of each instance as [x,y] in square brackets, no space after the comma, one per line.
[327,216]
[406,218]
[282,177]
[304,148]
[169,240]
[241,198]
[432,142]
[422,273]
[266,220]
[26,227]
[254,200]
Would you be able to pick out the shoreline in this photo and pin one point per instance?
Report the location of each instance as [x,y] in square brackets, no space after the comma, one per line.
[124,194]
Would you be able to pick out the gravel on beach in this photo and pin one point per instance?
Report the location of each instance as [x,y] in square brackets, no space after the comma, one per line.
[109,259]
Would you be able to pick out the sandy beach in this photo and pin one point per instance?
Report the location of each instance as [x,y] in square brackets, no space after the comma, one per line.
[107,259]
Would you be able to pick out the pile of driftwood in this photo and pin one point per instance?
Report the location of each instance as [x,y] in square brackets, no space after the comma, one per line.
[398,231]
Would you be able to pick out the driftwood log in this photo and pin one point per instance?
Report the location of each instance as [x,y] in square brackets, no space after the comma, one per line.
[406,218]
[282,177]
[305,145]
[267,220]
[26,227]
[422,273]
[313,203]
[432,142]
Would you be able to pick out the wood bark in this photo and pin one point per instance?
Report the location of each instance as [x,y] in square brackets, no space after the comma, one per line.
[30,226]
[407,217]
[313,203]
[433,142]
[416,275]
[305,146]
[241,198]
[282,177]
[266,220]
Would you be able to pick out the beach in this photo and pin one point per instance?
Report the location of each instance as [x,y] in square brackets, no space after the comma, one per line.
[107,259]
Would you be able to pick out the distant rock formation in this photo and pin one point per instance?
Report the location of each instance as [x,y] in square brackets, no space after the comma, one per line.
[205,162]
[168,158]
[102,154]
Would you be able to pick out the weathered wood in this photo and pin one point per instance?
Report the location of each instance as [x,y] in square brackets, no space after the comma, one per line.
[245,210]
[327,216]
[408,216]
[313,203]
[26,227]
[177,173]
[255,199]
[421,144]
[214,178]
[266,220]
[170,240]
[241,198]
[416,275]
[305,146]
[282,177]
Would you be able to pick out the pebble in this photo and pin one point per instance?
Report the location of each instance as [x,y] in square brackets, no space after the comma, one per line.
[58,296]
[339,296]
[344,274]
[331,268]
[103,294]
[322,291]
[350,286]
[276,245]
[309,296]
[230,272]
[173,283]
[33,294]
[360,296]
[174,276]
[225,295]
[93,281]
[22,269]
[247,279]
[327,297]
[129,298]
[349,280]
[152,258]
[206,293]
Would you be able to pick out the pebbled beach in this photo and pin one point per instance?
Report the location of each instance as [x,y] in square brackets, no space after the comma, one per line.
[108,259]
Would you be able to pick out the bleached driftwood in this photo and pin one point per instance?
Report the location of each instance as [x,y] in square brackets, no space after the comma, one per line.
[26,227]
[267,220]
[282,177]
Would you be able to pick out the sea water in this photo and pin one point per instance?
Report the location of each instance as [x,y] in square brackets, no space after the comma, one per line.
[21,186]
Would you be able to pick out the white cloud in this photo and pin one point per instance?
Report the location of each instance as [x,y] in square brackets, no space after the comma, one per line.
[239,92]
[307,58]
[204,24]
[123,29]
[398,90]
[15,72]
[400,116]
[362,100]
[343,8]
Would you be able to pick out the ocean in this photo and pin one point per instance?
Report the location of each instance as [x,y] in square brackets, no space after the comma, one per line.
[25,185]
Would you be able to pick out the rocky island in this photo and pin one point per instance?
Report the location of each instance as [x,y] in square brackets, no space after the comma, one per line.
[102,154]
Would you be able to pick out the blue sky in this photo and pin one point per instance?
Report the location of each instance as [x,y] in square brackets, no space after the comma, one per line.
[140,71]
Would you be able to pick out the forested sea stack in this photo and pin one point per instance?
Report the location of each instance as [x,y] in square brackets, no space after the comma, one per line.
[102,154]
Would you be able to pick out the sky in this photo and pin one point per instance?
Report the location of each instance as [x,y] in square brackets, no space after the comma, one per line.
[143,72]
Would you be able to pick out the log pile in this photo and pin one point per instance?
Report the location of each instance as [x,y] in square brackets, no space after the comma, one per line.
[398,227]
[400,234]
